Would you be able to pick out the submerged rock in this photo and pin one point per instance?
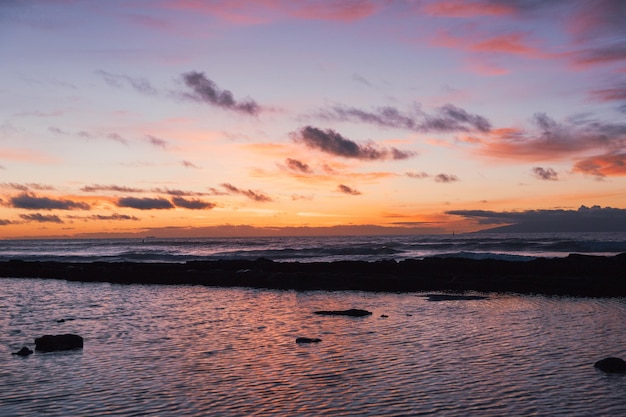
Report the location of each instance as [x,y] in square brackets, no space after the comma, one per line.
[23,352]
[611,365]
[52,343]
[353,312]
[307,340]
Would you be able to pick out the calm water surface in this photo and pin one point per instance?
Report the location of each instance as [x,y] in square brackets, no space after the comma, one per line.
[168,350]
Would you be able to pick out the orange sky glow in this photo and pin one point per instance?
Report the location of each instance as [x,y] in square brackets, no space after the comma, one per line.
[211,118]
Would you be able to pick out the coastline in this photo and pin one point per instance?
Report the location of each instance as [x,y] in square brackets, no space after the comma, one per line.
[574,275]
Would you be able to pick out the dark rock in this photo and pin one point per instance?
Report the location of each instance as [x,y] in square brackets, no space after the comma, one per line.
[384,316]
[454,297]
[23,352]
[353,312]
[52,343]
[307,340]
[611,365]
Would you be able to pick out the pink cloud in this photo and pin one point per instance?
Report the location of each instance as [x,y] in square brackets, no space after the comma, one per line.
[334,10]
[463,8]
[551,140]
[264,11]
[510,43]
[611,164]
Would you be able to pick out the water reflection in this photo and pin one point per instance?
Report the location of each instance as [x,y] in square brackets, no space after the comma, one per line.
[198,351]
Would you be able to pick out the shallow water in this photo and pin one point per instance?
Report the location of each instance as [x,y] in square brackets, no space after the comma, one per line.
[189,350]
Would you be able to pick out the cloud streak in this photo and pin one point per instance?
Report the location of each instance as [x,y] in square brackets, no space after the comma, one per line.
[206,91]
[29,201]
[299,166]
[342,188]
[41,218]
[333,143]
[446,178]
[145,203]
[139,84]
[448,118]
[546,174]
[192,204]
[253,195]
[550,140]
[607,165]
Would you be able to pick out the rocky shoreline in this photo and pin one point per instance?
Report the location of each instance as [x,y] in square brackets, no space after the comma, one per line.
[574,275]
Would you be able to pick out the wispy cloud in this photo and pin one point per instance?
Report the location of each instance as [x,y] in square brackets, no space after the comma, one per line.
[30,201]
[333,143]
[105,217]
[139,84]
[299,166]
[206,91]
[251,13]
[158,142]
[179,193]
[446,178]
[448,118]
[593,29]
[113,136]
[551,140]
[253,195]
[145,203]
[601,166]
[418,175]
[547,174]
[188,164]
[616,92]
[41,218]
[115,188]
[26,187]
[342,188]
[193,204]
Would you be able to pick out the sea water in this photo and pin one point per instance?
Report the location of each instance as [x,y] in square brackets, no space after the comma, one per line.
[198,351]
[317,249]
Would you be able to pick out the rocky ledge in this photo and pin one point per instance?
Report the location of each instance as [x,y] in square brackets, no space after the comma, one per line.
[574,275]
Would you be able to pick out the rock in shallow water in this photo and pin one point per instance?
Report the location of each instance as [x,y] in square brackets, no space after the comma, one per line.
[53,343]
[611,365]
[353,312]
[23,352]
[307,340]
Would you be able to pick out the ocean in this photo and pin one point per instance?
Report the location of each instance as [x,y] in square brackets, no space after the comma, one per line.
[201,351]
[317,249]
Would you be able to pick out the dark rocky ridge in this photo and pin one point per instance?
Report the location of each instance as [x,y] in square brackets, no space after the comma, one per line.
[575,275]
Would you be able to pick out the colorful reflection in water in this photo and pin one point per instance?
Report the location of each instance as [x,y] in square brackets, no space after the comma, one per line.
[166,350]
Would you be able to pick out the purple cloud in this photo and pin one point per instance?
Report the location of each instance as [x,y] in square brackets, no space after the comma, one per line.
[41,218]
[193,204]
[547,174]
[295,165]
[145,203]
[32,202]
[206,91]
[333,143]
[347,190]
[262,198]
[446,178]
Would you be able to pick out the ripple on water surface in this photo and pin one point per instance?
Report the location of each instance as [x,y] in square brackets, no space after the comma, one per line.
[168,350]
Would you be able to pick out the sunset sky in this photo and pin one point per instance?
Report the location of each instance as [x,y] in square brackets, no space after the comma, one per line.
[182,117]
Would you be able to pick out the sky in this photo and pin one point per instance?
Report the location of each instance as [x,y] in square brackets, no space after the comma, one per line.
[208,117]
